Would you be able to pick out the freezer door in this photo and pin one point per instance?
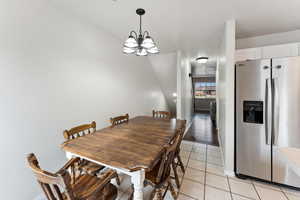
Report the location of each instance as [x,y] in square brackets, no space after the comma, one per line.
[286,128]
[253,121]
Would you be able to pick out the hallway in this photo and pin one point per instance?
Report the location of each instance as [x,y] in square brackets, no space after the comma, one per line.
[202,130]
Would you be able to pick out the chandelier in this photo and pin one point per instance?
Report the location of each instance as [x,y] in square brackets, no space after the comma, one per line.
[140,44]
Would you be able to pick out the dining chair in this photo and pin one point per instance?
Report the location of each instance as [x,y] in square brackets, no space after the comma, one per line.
[161,114]
[159,177]
[79,131]
[177,161]
[84,165]
[119,120]
[63,186]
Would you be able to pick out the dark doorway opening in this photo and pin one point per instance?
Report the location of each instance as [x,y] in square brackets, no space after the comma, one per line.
[202,130]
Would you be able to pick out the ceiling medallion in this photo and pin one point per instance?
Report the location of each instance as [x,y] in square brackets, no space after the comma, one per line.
[140,44]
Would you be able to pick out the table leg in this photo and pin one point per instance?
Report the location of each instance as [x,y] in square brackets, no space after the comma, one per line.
[137,179]
[69,155]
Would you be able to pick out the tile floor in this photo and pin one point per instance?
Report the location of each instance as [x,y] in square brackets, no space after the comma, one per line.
[204,180]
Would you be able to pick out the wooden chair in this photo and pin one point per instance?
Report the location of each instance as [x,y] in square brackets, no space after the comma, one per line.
[159,177]
[161,114]
[62,186]
[84,165]
[177,161]
[119,120]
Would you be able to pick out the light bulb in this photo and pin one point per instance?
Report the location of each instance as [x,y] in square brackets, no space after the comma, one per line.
[153,50]
[148,42]
[131,42]
[141,52]
[128,50]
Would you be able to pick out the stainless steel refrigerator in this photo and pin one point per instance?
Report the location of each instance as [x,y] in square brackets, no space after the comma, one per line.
[267,118]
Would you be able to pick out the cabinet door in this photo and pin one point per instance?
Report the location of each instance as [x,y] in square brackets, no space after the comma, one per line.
[280,51]
[248,54]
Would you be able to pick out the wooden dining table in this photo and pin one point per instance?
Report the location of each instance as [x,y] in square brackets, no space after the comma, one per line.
[131,148]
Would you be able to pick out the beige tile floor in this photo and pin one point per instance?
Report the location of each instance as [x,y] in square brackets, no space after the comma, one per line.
[204,180]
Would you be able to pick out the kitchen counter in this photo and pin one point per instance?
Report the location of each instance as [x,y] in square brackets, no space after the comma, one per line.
[292,156]
[203,104]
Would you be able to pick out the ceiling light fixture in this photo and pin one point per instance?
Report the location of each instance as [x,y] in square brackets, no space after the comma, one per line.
[140,44]
[202,59]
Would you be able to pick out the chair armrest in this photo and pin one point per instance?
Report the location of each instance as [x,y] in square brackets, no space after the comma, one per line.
[104,179]
[70,163]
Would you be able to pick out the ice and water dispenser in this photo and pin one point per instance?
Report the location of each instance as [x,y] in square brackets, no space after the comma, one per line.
[253,112]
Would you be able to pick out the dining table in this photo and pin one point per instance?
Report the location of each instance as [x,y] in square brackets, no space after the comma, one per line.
[132,148]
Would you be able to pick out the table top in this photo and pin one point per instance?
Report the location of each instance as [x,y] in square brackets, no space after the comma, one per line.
[132,146]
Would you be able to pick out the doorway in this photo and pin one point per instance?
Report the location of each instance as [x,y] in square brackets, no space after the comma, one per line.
[203,128]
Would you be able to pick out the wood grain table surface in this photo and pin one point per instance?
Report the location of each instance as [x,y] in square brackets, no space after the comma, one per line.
[131,146]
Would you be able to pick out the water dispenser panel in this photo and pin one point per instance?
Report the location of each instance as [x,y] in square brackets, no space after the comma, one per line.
[253,112]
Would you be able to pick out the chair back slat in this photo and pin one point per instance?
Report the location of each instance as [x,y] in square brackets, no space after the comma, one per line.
[161,114]
[44,189]
[79,131]
[49,191]
[119,120]
[50,182]
[58,193]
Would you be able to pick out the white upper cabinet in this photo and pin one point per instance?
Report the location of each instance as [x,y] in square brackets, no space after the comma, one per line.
[248,54]
[285,50]
[276,51]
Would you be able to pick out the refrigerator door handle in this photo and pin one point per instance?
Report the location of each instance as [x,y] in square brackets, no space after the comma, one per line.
[267,112]
[275,111]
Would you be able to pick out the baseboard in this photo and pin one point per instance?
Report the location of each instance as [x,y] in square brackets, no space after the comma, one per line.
[220,144]
[229,173]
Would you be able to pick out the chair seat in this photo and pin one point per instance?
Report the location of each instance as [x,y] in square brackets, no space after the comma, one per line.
[90,167]
[87,184]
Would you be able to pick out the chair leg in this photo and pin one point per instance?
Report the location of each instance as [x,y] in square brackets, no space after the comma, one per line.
[152,195]
[175,174]
[166,190]
[131,194]
[180,163]
[159,195]
[174,195]
[118,179]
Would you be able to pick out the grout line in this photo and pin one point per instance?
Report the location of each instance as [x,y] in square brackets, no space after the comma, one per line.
[192,180]
[285,195]
[221,189]
[250,198]
[196,169]
[205,170]
[255,190]
[188,196]
[261,184]
[229,187]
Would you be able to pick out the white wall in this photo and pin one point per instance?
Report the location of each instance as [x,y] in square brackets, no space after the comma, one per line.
[225,95]
[184,88]
[165,68]
[56,73]
[271,39]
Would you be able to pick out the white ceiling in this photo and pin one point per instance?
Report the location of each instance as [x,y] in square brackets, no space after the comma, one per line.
[194,26]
